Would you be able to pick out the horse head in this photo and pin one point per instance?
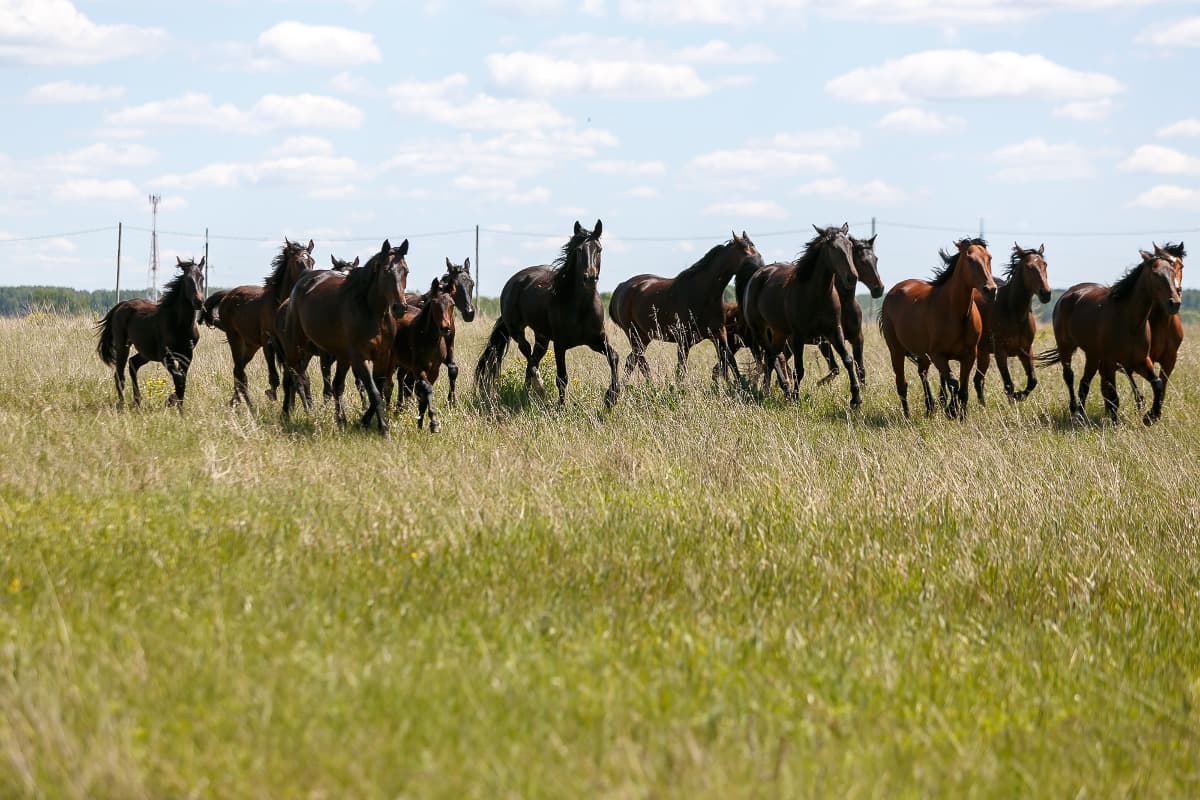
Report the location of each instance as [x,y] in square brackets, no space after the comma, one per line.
[747,254]
[867,264]
[973,256]
[390,275]
[1159,268]
[836,245]
[439,305]
[343,266]
[586,252]
[192,277]
[1032,267]
[458,282]
[1176,253]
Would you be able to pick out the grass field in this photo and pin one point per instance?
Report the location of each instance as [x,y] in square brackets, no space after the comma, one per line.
[695,595]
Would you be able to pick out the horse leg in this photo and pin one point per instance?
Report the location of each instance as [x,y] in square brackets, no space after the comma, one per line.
[1138,400]
[1031,380]
[119,374]
[857,345]
[798,356]
[326,379]
[1068,374]
[1108,390]
[374,410]
[949,387]
[1006,376]
[843,347]
[826,350]
[240,386]
[635,353]
[1158,386]
[177,370]
[923,363]
[533,357]
[270,356]
[424,392]
[898,359]
[339,386]
[135,363]
[1085,383]
[602,345]
[725,359]
[981,368]
[452,372]
[962,386]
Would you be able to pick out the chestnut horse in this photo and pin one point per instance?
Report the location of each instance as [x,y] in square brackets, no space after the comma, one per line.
[247,316]
[1008,323]
[1166,330]
[420,344]
[866,263]
[936,322]
[560,304]
[1111,326]
[686,309]
[344,314]
[790,305]
[164,331]
[456,281]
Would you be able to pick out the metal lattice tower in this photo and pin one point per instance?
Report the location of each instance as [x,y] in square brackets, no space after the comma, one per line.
[155,199]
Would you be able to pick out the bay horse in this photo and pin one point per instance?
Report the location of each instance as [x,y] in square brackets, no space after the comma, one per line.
[344,314]
[559,303]
[866,263]
[1008,323]
[1112,327]
[419,347]
[685,310]
[788,305]
[1166,330]
[936,322]
[165,331]
[247,316]
[456,281]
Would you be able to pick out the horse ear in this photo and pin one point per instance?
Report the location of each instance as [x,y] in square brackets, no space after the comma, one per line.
[179,262]
[467,265]
[745,238]
[355,262]
[311,245]
[578,228]
[448,264]
[1145,256]
[203,259]
[845,227]
[403,248]
[386,246]
[871,241]
[333,260]
[1016,247]
[818,230]
[1042,249]
[599,229]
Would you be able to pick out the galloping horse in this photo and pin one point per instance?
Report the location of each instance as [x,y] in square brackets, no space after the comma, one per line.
[420,345]
[796,304]
[1111,326]
[1166,330]
[685,309]
[937,322]
[164,331]
[866,263]
[344,314]
[247,315]
[1008,323]
[560,304]
[458,283]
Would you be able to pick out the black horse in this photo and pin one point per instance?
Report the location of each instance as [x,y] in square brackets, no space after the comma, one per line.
[456,282]
[560,303]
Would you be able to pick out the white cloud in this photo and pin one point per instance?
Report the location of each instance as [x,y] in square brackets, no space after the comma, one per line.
[1036,161]
[545,75]
[1161,160]
[527,8]
[1185,127]
[303,146]
[712,12]
[629,169]
[761,161]
[293,42]
[874,193]
[1086,110]
[314,173]
[172,203]
[966,74]
[920,121]
[642,193]
[1181,33]
[443,101]
[511,155]
[748,209]
[55,33]
[719,52]
[72,92]
[101,156]
[1171,197]
[91,190]
[821,139]
[271,112]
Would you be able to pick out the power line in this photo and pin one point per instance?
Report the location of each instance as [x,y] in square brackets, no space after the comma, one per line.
[57,235]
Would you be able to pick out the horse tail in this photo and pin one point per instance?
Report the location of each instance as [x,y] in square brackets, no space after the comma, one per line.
[1047,358]
[488,367]
[210,311]
[106,348]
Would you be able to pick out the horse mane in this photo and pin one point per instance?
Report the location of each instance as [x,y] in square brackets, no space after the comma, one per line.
[806,262]
[358,281]
[1175,249]
[564,265]
[943,274]
[1123,288]
[278,275]
[705,260]
[1014,264]
[170,291]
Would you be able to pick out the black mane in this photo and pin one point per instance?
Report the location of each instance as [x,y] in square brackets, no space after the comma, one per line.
[564,265]
[358,281]
[806,262]
[1175,249]
[943,274]
[1014,264]
[279,266]
[170,291]
[1123,288]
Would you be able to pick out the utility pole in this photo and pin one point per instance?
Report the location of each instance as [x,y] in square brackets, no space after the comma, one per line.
[155,199]
[981,227]
[872,227]
[119,226]
[206,263]
[478,275]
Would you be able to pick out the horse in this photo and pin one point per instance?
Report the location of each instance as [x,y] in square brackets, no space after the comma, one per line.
[1008,323]
[936,322]
[686,309]
[247,315]
[1166,331]
[793,304]
[559,303]
[458,283]
[344,314]
[165,331]
[866,263]
[420,344]
[1111,324]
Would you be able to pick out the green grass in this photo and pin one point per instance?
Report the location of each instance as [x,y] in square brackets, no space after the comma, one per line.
[694,595]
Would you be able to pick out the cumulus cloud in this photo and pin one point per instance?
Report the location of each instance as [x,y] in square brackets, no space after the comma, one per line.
[293,42]
[446,101]
[272,112]
[101,156]
[1161,160]
[966,74]
[920,121]
[712,12]
[545,75]
[747,209]
[509,155]
[90,190]
[70,92]
[1166,196]
[324,176]
[1086,110]
[1181,33]
[1184,127]
[629,169]
[56,33]
[872,193]
[1037,161]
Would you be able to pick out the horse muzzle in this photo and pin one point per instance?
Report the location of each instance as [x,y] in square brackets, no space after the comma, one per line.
[877,291]
[469,314]
[397,310]
[1044,296]
[989,293]
[1173,306]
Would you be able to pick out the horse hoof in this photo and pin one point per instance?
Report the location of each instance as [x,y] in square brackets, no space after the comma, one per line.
[270,393]
[434,426]
[610,398]
[1150,418]
[827,379]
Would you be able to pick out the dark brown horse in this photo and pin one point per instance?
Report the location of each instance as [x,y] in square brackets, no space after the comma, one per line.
[1166,330]
[790,305]
[1112,327]
[420,346]
[165,331]
[1008,323]
[686,309]
[458,283]
[247,316]
[345,315]
[560,304]
[936,322]
[866,263]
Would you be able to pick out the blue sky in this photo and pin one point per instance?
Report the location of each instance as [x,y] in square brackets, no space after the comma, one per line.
[673,121]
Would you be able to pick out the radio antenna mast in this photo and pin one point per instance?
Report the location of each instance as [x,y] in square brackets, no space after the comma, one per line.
[155,199]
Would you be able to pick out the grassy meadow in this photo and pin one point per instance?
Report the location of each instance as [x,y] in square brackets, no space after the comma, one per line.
[695,595]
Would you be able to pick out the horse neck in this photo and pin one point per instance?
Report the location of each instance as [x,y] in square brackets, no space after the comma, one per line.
[177,309]
[719,270]
[1015,295]
[958,293]
[821,279]
[1136,310]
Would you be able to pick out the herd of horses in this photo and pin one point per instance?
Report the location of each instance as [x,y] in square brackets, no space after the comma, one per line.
[361,320]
